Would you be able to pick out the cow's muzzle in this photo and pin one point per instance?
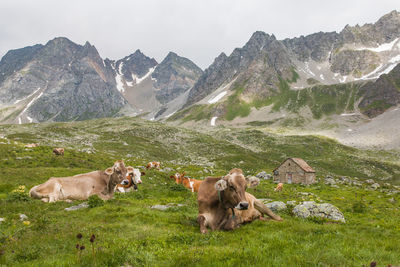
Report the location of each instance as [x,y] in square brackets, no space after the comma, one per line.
[125,182]
[242,206]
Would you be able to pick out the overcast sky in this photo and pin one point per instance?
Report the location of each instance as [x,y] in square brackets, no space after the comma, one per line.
[199,30]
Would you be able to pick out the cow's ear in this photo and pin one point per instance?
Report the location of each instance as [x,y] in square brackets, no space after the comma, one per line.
[221,185]
[109,171]
[142,173]
[129,169]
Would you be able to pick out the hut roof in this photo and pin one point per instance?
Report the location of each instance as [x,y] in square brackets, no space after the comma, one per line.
[301,163]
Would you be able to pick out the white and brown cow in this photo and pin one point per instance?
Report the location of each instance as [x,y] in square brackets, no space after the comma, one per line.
[153,164]
[224,203]
[81,186]
[133,178]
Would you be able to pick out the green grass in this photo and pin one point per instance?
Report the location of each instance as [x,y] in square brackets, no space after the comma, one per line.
[323,100]
[235,106]
[129,232]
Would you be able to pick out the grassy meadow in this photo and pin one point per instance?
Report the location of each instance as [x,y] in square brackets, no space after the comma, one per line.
[130,233]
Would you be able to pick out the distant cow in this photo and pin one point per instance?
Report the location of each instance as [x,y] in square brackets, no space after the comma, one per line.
[133,178]
[32,145]
[279,187]
[189,183]
[178,177]
[81,186]
[224,203]
[153,164]
[59,151]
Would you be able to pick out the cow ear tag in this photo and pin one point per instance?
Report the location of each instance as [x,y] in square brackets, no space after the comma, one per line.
[109,171]
[221,185]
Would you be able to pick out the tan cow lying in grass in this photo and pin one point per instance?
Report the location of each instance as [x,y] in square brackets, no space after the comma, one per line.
[224,203]
[133,178]
[58,151]
[190,183]
[81,186]
[279,187]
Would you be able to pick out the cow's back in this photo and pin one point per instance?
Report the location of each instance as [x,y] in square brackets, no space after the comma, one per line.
[77,187]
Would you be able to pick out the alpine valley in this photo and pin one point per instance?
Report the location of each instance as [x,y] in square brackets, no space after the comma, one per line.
[343,85]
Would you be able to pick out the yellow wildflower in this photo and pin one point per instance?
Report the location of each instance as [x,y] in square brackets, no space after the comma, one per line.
[26,223]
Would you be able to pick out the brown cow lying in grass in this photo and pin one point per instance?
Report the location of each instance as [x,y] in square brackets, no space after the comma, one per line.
[81,186]
[190,183]
[224,203]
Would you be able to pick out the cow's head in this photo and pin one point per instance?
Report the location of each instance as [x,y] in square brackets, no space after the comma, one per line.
[135,174]
[178,177]
[117,173]
[232,187]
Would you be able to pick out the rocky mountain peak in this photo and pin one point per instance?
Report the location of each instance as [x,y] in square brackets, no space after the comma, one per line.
[174,75]
[171,55]
[135,65]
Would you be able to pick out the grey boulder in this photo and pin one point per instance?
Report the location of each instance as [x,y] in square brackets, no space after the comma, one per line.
[311,209]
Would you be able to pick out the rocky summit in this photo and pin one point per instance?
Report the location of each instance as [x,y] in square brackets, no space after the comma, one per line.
[60,81]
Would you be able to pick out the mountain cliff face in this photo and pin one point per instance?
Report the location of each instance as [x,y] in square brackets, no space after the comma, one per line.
[64,81]
[59,81]
[173,76]
[381,94]
[157,89]
[263,70]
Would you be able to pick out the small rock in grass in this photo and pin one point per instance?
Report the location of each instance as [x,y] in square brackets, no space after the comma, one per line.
[23,217]
[263,175]
[165,207]
[330,181]
[375,186]
[83,205]
[370,181]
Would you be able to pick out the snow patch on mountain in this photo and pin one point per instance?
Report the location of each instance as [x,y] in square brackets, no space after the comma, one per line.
[213,119]
[29,96]
[139,80]
[217,97]
[382,48]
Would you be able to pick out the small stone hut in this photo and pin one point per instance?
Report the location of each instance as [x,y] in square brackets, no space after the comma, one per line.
[294,170]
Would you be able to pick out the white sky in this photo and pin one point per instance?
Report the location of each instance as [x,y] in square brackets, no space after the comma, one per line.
[199,30]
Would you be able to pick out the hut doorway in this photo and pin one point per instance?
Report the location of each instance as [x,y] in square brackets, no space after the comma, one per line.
[289,178]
